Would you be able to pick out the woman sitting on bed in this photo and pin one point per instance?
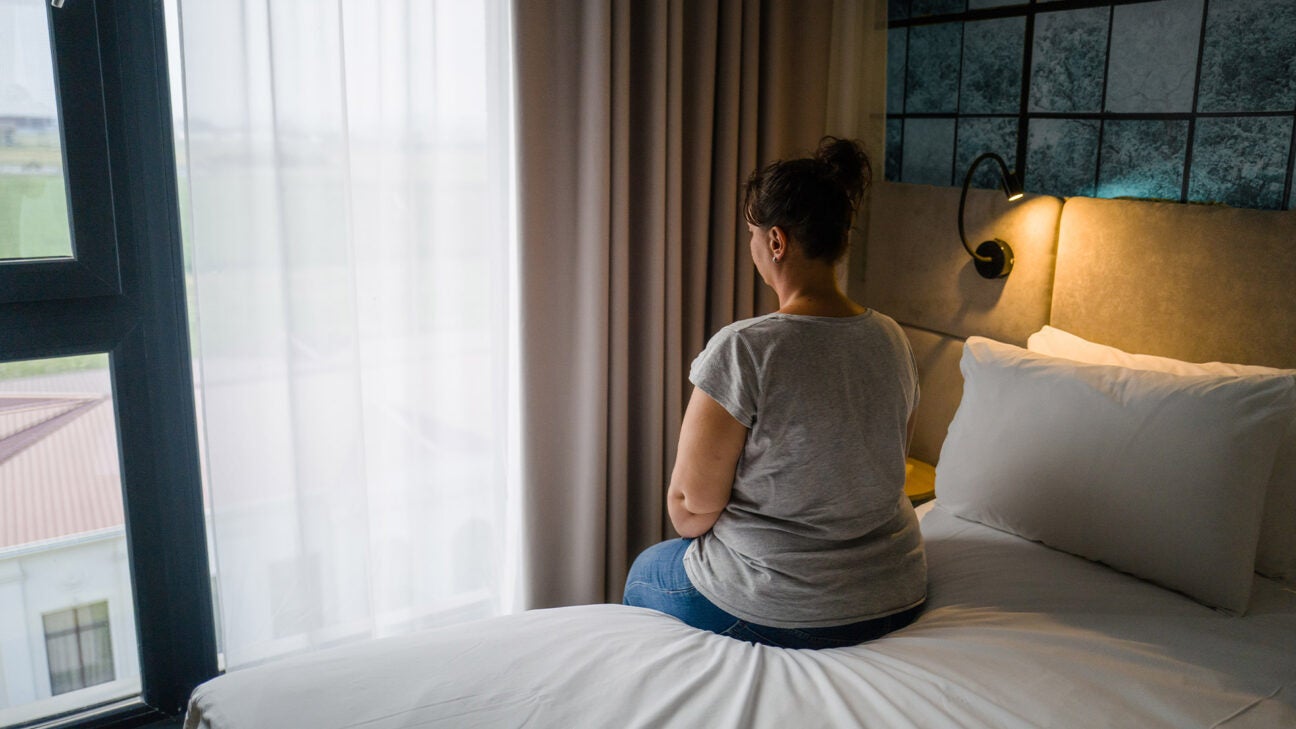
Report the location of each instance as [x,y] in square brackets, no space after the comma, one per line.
[788,485]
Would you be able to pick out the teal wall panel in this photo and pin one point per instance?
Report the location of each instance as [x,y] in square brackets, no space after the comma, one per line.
[1191,100]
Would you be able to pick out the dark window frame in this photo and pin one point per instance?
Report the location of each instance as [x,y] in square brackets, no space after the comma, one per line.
[92,270]
[136,313]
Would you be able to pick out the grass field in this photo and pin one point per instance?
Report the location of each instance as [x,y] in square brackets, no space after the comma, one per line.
[33,216]
[34,367]
[48,156]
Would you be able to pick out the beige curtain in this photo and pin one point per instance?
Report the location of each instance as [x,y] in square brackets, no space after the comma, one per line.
[638,122]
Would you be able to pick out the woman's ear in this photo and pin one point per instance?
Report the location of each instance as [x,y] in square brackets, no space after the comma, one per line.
[778,242]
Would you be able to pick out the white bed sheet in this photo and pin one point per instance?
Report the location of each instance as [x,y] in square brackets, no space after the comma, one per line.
[1015,635]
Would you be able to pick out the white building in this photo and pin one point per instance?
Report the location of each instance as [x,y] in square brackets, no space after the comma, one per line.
[67,622]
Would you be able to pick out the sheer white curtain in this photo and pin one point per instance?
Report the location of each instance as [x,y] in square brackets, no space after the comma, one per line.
[346,165]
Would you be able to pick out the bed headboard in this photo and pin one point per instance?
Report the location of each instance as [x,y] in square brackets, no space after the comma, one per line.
[1194,282]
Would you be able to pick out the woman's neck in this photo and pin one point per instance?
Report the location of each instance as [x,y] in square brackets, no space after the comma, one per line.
[815,295]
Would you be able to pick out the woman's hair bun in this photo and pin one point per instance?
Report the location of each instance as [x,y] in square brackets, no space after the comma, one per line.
[846,164]
[813,199]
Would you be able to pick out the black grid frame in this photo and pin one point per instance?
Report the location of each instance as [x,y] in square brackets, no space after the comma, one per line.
[955,12]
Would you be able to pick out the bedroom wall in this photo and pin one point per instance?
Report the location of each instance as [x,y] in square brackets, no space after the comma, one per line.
[1188,100]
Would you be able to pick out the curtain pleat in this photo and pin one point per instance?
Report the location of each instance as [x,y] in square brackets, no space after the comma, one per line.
[638,123]
[620,269]
[562,50]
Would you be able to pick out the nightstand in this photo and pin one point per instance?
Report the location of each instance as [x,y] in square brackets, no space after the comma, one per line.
[920,481]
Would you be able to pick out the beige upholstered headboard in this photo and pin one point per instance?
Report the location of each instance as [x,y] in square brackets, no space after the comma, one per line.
[1193,282]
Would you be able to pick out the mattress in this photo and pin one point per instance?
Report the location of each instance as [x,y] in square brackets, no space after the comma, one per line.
[1014,635]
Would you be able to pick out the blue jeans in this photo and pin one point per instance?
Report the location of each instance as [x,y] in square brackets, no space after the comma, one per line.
[657,580]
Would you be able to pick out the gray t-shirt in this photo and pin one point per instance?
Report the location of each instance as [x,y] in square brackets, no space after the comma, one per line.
[818,531]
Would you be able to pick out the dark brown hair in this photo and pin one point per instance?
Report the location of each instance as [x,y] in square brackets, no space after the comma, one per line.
[812,199]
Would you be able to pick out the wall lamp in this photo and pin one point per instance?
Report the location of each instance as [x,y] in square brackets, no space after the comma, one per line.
[993,258]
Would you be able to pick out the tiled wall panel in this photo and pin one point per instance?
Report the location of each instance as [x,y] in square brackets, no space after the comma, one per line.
[1167,99]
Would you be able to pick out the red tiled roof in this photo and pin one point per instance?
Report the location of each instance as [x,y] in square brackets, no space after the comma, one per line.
[59,472]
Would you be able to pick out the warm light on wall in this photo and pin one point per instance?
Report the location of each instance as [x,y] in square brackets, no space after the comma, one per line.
[993,258]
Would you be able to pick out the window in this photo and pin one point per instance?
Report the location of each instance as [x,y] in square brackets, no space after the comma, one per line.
[113,285]
[57,237]
[62,539]
[78,647]
[114,288]
[33,204]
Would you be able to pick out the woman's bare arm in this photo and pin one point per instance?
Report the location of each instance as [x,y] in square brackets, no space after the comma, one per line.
[710,443]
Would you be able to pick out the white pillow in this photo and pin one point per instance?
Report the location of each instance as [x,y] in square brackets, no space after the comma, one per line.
[1276,552]
[1158,475]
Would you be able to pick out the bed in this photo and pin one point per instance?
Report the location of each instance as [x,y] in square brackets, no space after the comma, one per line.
[1108,585]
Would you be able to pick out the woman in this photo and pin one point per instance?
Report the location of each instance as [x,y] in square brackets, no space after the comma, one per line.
[788,485]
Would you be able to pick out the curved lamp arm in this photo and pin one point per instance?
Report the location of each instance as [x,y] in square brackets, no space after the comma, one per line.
[993,258]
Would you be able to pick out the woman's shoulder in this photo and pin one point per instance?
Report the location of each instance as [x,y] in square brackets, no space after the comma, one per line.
[746,327]
[755,321]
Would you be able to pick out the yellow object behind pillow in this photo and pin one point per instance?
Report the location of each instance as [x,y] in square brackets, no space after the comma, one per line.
[920,481]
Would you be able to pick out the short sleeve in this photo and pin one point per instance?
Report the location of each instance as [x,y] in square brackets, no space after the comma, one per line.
[726,370]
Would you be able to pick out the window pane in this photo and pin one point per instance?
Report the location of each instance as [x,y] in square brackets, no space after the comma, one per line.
[95,642]
[66,610]
[64,665]
[78,648]
[33,201]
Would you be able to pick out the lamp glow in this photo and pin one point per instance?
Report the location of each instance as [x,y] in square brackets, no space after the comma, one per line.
[993,258]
